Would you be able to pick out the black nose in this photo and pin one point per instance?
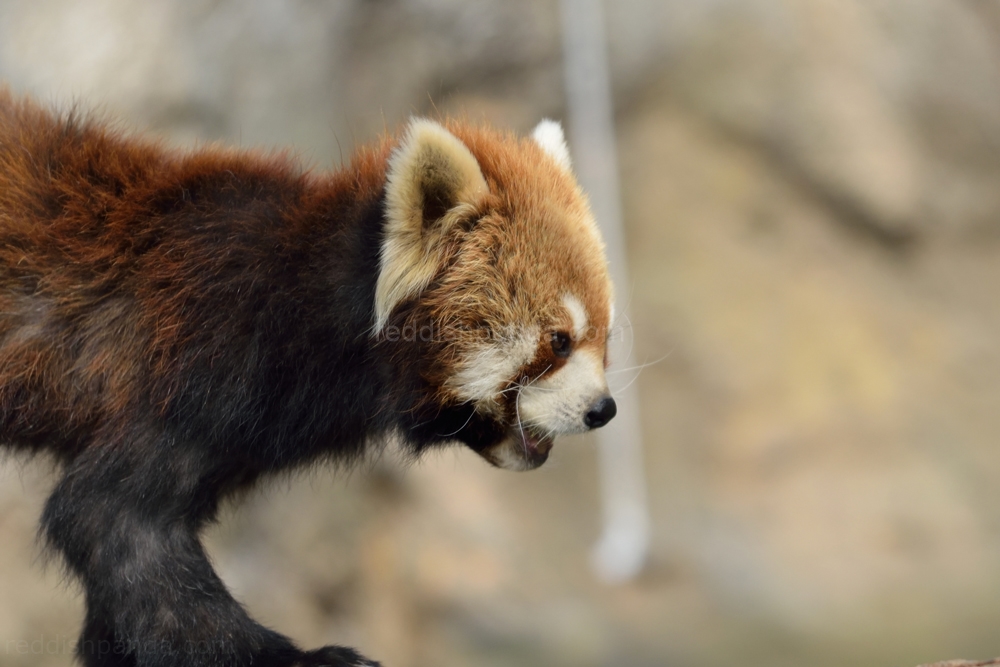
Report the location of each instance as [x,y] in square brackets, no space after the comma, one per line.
[601,413]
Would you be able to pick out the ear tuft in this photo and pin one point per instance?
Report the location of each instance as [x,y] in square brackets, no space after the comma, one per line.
[432,179]
[549,135]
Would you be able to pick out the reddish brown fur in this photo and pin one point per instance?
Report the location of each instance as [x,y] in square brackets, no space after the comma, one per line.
[541,221]
[76,239]
[157,312]
[174,326]
[532,240]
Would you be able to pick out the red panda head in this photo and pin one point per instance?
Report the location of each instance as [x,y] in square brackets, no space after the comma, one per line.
[491,251]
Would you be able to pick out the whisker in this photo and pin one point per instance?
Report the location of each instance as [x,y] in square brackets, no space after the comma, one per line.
[640,366]
[539,388]
[631,342]
[517,407]
[628,302]
[616,392]
[539,376]
[448,435]
[517,410]
[641,369]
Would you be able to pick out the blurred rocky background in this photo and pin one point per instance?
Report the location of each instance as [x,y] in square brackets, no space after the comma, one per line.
[812,198]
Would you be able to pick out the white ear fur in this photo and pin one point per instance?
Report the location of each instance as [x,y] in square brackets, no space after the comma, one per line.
[431,174]
[549,135]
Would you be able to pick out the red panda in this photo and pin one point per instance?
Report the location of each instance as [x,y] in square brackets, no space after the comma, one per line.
[176,326]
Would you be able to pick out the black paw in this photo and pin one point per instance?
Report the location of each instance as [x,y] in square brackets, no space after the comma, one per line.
[335,656]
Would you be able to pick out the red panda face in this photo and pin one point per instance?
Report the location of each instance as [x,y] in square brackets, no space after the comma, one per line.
[490,247]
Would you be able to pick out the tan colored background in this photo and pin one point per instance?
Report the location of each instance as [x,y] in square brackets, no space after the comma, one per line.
[811,196]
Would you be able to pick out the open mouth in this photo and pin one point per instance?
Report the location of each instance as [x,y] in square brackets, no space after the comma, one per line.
[523,448]
[534,446]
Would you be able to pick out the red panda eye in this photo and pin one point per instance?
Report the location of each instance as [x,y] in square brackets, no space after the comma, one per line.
[562,345]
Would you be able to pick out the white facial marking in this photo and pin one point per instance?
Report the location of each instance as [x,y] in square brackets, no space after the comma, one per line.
[484,373]
[577,314]
[549,135]
[557,404]
[508,456]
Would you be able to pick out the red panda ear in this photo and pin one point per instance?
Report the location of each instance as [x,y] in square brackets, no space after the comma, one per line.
[549,136]
[433,179]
